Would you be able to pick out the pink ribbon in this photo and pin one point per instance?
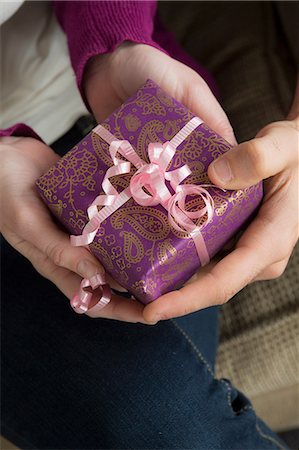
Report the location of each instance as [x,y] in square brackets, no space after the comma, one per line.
[81,301]
[151,176]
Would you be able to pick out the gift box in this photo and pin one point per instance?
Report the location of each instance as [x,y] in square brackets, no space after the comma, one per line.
[137,192]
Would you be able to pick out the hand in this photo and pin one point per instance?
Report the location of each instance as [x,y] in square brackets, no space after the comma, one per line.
[110,79]
[263,251]
[27,225]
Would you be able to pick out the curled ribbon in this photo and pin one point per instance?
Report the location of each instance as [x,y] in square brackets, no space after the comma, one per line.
[151,176]
[81,301]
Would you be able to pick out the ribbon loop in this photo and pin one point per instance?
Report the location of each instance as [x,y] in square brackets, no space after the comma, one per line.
[81,301]
[180,218]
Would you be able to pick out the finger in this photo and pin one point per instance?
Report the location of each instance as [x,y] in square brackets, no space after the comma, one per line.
[68,283]
[216,287]
[206,269]
[53,243]
[255,252]
[198,97]
[181,82]
[274,150]
[113,284]
[40,230]
[120,308]
[273,271]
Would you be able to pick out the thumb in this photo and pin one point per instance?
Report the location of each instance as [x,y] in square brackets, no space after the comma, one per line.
[255,160]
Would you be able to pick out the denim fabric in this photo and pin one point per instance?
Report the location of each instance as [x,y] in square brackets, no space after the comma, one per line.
[71,382]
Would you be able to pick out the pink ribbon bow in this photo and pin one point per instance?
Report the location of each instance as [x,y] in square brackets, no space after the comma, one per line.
[151,176]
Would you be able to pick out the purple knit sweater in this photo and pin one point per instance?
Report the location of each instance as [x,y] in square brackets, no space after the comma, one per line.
[98,27]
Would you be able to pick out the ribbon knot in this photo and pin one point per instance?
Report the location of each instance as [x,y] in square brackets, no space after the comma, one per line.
[152,176]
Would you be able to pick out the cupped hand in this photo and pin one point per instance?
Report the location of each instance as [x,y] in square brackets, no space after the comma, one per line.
[27,225]
[264,249]
[110,79]
[266,245]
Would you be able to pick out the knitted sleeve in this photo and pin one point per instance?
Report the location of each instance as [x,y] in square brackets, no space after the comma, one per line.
[20,129]
[98,27]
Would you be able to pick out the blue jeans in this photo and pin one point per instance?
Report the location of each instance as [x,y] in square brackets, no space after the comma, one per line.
[71,382]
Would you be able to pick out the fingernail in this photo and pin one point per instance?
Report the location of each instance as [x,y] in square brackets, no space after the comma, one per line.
[146,322]
[76,304]
[222,169]
[154,322]
[86,269]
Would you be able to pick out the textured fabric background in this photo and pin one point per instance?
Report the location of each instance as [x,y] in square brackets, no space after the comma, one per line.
[252,50]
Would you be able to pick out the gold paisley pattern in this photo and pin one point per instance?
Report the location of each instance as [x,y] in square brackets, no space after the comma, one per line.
[116,252]
[133,247]
[121,263]
[78,167]
[102,255]
[110,239]
[77,224]
[149,223]
[149,104]
[101,149]
[166,252]
[220,205]
[49,182]
[197,176]
[57,208]
[149,133]
[139,288]
[178,268]
[132,122]
[144,287]
[171,128]
[164,98]
[124,278]
[136,244]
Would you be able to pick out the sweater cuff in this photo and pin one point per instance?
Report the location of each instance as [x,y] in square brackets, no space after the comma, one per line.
[98,27]
[20,129]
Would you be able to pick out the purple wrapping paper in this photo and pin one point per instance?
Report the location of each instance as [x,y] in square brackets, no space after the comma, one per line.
[136,244]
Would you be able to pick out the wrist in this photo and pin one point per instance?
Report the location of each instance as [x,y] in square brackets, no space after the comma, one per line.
[9,140]
[101,68]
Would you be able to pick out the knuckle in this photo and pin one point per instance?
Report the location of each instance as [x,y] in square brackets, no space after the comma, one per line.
[226,127]
[221,293]
[272,273]
[56,254]
[167,315]
[42,264]
[256,156]
[276,270]
[21,218]
[224,295]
